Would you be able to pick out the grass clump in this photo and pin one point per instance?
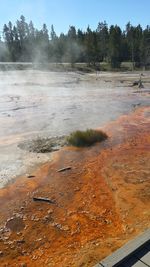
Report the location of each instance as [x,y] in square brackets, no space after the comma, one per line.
[86,138]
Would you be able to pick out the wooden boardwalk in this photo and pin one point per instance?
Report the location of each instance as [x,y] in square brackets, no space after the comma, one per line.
[135,253]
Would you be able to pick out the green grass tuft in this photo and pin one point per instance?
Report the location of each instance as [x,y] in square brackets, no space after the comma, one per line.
[86,138]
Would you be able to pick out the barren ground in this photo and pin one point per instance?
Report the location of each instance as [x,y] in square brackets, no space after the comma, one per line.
[37,104]
[97,205]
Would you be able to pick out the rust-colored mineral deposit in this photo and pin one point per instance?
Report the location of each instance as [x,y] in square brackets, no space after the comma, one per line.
[98,204]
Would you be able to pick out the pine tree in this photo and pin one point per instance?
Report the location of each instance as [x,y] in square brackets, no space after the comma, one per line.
[115,46]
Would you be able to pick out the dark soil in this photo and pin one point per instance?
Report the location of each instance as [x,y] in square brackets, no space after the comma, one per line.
[43,145]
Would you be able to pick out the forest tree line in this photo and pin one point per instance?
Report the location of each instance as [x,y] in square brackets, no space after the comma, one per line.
[23,42]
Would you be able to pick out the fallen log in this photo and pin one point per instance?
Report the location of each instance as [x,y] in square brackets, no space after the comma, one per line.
[44,200]
[135,83]
[64,169]
[31,176]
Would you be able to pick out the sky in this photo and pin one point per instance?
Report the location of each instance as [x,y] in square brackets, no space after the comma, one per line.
[79,13]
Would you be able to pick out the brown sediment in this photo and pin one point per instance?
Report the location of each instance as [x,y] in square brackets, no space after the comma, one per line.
[98,204]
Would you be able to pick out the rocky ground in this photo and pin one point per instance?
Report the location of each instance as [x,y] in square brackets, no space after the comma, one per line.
[94,206]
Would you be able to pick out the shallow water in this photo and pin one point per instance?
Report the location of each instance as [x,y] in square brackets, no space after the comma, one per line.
[46,104]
